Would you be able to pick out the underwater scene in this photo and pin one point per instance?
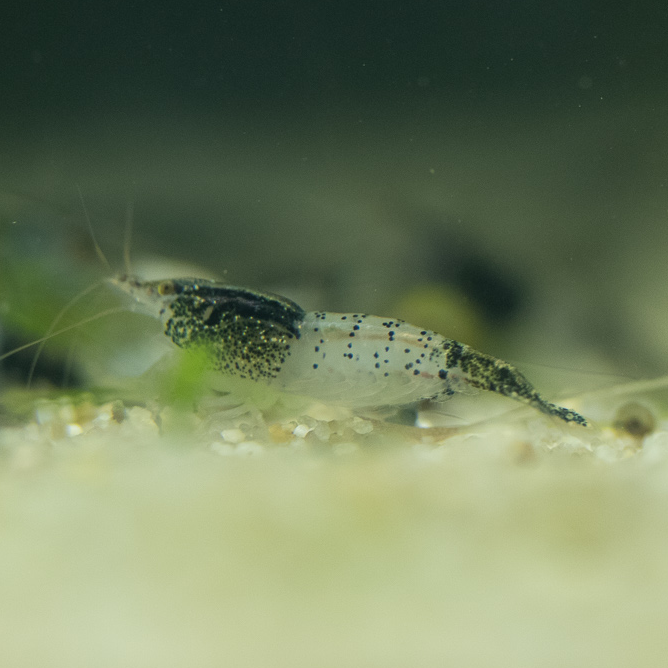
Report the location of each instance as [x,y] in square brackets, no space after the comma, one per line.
[334,334]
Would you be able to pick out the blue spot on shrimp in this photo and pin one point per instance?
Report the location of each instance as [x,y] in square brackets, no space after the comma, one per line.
[348,359]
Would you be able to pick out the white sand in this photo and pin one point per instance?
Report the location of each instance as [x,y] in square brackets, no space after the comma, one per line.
[523,544]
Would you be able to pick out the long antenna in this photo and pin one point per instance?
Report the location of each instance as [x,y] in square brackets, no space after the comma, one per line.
[98,250]
[56,320]
[85,321]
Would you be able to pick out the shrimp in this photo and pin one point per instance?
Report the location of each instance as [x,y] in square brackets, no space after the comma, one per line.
[356,360]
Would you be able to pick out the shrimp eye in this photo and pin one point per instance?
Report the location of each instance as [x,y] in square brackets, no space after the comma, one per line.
[166,288]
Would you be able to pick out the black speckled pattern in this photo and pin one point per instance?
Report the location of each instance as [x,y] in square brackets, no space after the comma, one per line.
[381,360]
[248,334]
[494,375]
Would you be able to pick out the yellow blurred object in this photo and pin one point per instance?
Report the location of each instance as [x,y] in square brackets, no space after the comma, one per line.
[442,309]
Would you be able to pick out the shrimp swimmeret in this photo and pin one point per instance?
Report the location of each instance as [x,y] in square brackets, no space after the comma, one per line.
[357,360]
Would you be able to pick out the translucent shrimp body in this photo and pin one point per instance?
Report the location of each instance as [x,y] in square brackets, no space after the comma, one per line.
[357,360]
